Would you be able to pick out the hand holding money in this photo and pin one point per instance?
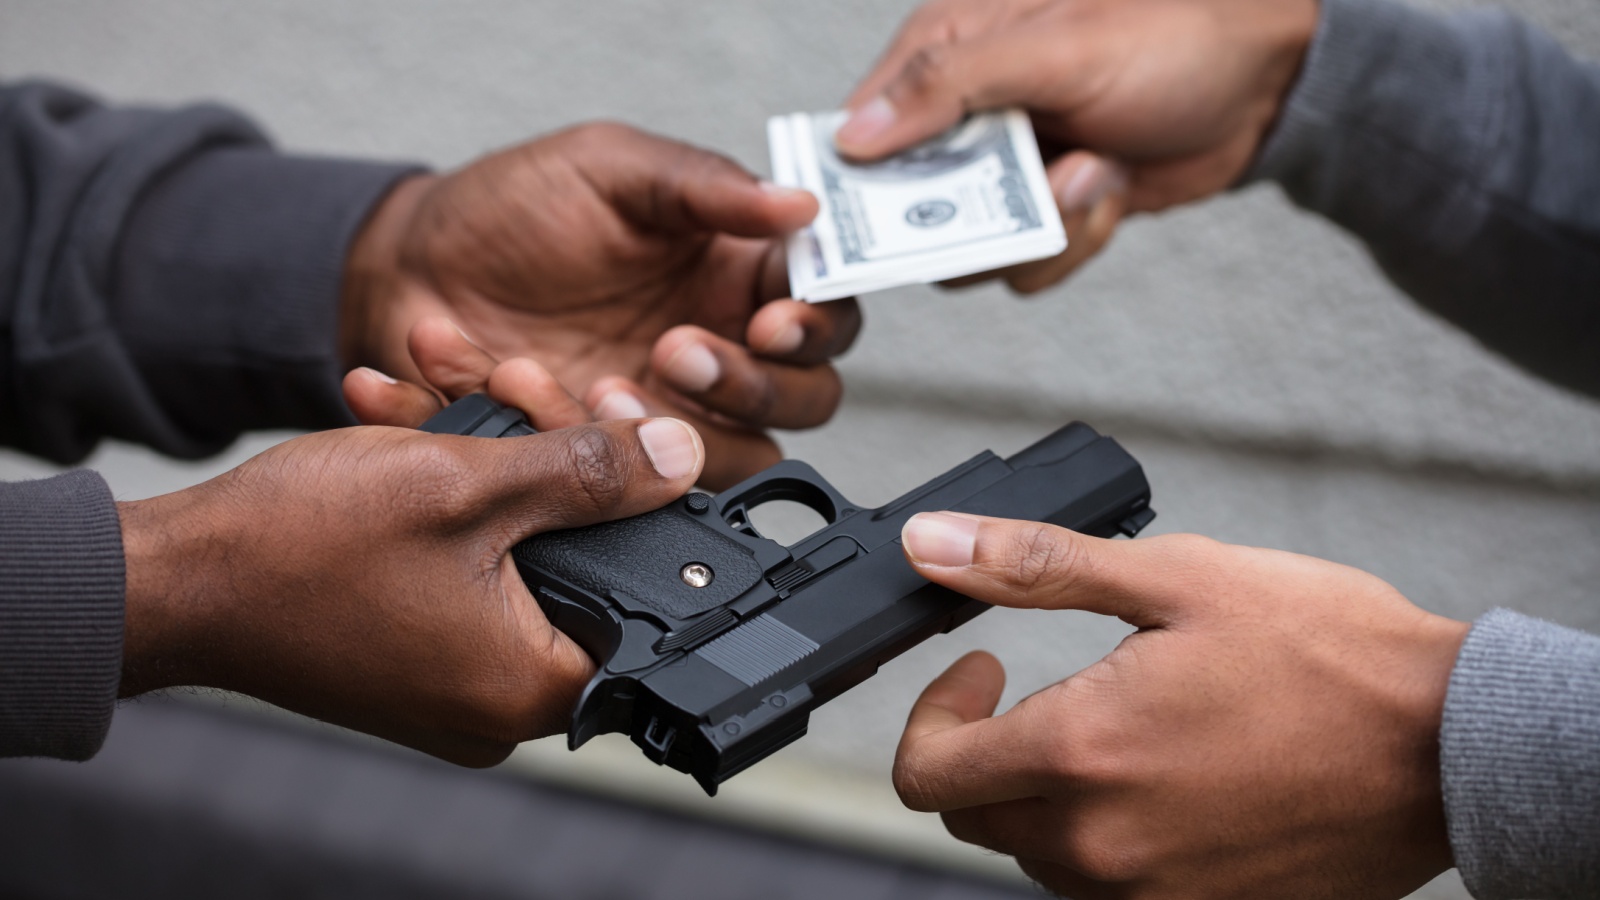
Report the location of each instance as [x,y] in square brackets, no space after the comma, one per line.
[1139,104]
[972,199]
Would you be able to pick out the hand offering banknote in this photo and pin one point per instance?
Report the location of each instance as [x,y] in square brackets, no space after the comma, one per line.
[973,199]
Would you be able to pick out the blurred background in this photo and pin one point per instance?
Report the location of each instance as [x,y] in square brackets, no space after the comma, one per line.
[1278,391]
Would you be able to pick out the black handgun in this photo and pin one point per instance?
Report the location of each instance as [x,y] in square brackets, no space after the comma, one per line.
[714,643]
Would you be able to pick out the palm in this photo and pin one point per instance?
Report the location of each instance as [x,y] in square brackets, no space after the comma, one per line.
[638,270]
[609,326]
[566,275]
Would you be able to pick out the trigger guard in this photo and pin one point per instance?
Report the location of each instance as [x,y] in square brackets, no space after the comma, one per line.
[606,704]
[788,480]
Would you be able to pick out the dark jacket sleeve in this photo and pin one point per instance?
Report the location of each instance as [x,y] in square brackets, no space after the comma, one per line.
[1465,152]
[165,276]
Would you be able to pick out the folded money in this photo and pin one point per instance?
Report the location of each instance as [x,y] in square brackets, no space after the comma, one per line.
[973,199]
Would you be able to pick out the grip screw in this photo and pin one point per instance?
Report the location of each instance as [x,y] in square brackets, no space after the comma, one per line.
[697,575]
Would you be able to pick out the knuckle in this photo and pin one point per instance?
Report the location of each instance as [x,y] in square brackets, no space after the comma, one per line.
[801,399]
[927,71]
[1087,762]
[1189,547]
[709,163]
[1197,562]
[599,133]
[1061,758]
[443,481]
[1042,557]
[596,466]
[760,399]
[1082,751]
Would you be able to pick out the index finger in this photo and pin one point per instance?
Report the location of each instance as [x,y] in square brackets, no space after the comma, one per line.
[1147,583]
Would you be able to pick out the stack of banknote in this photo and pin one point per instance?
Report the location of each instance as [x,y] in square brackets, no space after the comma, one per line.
[971,200]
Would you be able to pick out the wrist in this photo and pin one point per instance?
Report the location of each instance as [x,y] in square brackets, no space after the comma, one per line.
[171,551]
[374,282]
[1434,647]
[1435,644]
[1287,30]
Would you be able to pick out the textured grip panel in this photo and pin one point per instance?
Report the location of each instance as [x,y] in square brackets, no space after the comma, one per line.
[643,557]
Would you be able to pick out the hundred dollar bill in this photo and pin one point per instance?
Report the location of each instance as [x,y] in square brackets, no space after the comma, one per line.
[972,199]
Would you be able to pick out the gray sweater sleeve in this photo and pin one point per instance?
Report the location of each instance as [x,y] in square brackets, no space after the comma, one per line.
[166,278]
[1520,753]
[1464,152]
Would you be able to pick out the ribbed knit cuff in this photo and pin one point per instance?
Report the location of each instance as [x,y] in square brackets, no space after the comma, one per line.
[61,596]
[1520,758]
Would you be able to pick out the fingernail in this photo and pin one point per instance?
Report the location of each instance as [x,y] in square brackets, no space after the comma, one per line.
[781,192]
[463,334]
[1090,184]
[671,447]
[866,123]
[378,375]
[693,369]
[619,405]
[940,539]
[787,340]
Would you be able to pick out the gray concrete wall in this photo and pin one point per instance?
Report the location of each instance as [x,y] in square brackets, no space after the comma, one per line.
[1279,392]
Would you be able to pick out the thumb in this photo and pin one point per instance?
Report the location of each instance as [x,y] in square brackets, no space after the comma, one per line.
[941,83]
[1032,565]
[669,186]
[582,475]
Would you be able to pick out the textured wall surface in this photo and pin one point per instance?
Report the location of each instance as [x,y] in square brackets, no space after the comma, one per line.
[1279,392]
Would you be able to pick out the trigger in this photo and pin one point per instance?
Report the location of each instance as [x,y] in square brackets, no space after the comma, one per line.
[596,635]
